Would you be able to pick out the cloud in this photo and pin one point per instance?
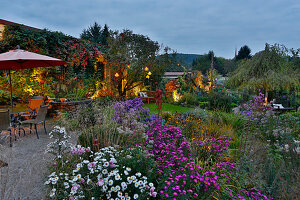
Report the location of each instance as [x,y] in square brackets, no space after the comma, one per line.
[188,26]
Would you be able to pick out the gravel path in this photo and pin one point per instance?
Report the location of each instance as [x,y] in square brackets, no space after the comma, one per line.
[27,170]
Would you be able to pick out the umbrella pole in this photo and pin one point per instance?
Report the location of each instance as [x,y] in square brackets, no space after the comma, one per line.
[11,100]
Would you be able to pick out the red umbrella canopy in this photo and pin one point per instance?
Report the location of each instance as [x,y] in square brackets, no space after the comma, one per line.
[20,59]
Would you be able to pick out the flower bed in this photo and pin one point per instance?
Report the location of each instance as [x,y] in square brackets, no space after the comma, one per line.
[157,161]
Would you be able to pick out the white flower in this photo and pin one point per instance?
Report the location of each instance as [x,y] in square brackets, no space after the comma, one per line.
[123,184]
[66,184]
[128,169]
[110,182]
[137,184]
[151,185]
[104,188]
[47,182]
[135,196]
[117,177]
[138,174]
[104,171]
[78,176]
[126,172]
[89,181]
[52,174]
[106,164]
[118,188]
[120,194]
[52,193]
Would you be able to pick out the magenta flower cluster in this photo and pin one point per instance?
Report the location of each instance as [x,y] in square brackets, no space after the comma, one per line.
[180,177]
[212,177]
[174,160]
[79,150]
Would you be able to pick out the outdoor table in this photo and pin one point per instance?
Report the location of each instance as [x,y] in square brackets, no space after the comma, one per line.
[16,119]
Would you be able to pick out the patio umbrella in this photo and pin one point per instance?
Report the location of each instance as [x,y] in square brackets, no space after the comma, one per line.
[21,59]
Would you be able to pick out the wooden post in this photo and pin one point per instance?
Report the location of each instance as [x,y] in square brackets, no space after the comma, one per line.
[11,100]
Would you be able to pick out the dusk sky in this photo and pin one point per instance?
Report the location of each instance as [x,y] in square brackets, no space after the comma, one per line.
[187,26]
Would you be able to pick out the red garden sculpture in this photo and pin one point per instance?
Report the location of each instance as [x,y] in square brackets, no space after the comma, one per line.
[158,97]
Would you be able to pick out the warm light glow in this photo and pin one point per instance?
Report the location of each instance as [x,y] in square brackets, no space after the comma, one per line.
[176,96]
[266,101]
[117,75]
[128,66]
[147,76]
[149,73]
[146,68]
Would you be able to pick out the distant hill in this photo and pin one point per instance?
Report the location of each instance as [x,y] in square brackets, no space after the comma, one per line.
[182,59]
[186,58]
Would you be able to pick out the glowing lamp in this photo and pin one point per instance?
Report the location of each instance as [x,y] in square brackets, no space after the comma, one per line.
[128,66]
[146,68]
[147,76]
[149,73]
[117,75]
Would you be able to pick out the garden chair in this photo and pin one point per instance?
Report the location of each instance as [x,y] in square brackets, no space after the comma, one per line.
[33,104]
[40,118]
[5,124]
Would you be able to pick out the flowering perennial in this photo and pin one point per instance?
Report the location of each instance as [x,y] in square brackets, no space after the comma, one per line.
[101,177]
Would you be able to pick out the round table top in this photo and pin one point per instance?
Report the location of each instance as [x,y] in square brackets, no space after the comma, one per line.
[19,108]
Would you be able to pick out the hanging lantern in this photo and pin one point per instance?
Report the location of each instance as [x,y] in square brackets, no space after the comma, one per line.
[146,68]
[147,76]
[149,73]
[117,75]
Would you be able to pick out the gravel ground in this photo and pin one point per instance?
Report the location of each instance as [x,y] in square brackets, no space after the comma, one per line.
[26,172]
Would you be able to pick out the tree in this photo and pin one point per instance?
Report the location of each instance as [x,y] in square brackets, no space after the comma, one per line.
[267,70]
[203,63]
[244,53]
[104,35]
[93,33]
[128,56]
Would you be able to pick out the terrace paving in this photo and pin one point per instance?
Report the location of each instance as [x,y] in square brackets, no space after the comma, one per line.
[27,169]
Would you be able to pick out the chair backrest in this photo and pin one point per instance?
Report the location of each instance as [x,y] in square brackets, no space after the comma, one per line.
[4,120]
[41,114]
[35,103]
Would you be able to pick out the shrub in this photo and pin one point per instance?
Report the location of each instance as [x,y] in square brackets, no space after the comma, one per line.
[5,97]
[219,100]
[189,99]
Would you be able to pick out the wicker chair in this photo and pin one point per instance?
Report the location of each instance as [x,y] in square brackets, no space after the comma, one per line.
[5,124]
[40,118]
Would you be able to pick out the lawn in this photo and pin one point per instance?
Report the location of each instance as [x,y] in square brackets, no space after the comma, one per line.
[166,107]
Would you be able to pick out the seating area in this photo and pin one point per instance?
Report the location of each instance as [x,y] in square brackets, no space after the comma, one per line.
[147,95]
[16,121]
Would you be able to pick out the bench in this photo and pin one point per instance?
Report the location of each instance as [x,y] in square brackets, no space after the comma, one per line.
[279,107]
[147,95]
